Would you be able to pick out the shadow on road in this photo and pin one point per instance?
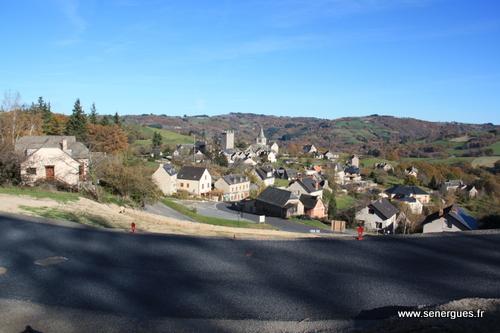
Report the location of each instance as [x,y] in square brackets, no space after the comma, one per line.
[157,276]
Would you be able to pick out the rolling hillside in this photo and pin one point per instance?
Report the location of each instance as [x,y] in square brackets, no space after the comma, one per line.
[414,138]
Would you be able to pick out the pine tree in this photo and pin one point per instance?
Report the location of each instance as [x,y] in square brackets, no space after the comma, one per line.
[43,109]
[332,206]
[77,123]
[157,140]
[93,114]
[105,121]
[116,119]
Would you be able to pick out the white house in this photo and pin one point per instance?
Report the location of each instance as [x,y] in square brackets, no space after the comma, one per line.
[194,180]
[53,158]
[233,187]
[165,177]
[354,161]
[450,219]
[402,191]
[271,157]
[414,205]
[309,149]
[275,148]
[265,175]
[379,216]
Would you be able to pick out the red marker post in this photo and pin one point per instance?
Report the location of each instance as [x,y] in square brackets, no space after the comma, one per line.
[360,232]
[132,227]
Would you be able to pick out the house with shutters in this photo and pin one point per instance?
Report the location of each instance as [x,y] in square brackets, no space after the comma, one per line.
[52,158]
[165,177]
[233,187]
[196,181]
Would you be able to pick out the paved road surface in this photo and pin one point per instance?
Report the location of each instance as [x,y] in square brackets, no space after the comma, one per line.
[221,210]
[163,210]
[279,223]
[156,276]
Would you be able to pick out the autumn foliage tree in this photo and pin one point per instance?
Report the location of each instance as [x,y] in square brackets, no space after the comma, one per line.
[108,139]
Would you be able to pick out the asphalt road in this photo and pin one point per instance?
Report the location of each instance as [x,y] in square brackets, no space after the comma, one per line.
[278,223]
[163,210]
[221,210]
[156,276]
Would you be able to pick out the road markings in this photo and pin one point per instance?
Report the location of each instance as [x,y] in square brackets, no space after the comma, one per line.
[3,270]
[49,261]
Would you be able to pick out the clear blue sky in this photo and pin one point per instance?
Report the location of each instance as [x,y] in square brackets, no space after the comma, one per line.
[428,59]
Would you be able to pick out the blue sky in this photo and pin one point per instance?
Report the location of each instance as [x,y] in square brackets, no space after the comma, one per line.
[428,59]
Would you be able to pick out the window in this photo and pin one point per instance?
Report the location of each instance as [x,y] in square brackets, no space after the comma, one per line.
[187,185]
[182,184]
[202,186]
[31,171]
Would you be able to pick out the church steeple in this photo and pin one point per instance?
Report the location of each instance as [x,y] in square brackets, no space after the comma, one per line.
[261,139]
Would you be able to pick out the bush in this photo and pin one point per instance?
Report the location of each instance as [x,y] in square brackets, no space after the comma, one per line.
[130,181]
[9,167]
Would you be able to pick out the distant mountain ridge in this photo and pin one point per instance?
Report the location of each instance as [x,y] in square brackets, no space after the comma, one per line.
[348,133]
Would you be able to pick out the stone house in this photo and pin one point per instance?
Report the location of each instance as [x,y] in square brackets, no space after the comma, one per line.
[194,180]
[165,177]
[53,158]
[233,187]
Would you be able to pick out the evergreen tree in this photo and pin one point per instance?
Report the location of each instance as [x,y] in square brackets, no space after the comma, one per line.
[116,119]
[93,114]
[105,121]
[43,109]
[77,123]
[157,140]
[332,206]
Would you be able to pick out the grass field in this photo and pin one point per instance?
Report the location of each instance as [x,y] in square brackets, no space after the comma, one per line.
[213,220]
[450,160]
[281,182]
[37,193]
[344,201]
[496,148]
[486,161]
[370,162]
[312,223]
[169,137]
[58,214]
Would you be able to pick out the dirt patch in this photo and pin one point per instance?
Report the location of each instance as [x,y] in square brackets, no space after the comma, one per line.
[118,218]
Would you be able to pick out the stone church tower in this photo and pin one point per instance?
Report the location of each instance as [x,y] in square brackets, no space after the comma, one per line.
[261,139]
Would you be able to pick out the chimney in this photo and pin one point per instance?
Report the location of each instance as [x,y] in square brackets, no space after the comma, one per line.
[64,144]
[441,212]
[317,185]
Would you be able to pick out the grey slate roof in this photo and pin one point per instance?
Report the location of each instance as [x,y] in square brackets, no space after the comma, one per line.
[308,184]
[457,213]
[384,208]
[235,179]
[262,173]
[352,170]
[78,149]
[403,190]
[190,173]
[170,169]
[275,196]
[309,201]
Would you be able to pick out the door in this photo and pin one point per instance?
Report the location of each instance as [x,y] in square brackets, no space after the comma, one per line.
[49,172]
